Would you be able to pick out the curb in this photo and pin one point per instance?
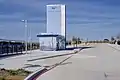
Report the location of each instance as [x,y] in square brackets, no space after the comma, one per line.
[38,73]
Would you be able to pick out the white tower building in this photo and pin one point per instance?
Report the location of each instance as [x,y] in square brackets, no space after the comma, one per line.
[55,38]
[56,19]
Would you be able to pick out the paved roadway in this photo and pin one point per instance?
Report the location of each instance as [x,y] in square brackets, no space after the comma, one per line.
[99,63]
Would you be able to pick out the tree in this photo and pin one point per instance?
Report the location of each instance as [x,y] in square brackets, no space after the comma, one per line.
[79,41]
[118,42]
[74,41]
[112,38]
[118,36]
[73,38]
[68,42]
[106,40]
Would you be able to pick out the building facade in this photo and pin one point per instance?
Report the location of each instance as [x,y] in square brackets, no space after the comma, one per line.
[56,19]
[55,38]
[51,42]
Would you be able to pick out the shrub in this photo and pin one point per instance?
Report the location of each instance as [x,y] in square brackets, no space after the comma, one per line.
[2,78]
[118,42]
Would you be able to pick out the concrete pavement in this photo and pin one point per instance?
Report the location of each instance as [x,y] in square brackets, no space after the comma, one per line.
[99,63]
[21,61]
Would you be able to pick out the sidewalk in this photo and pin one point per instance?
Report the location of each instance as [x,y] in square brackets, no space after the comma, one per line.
[25,60]
[115,46]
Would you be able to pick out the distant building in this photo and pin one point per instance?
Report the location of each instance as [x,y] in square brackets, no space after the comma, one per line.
[55,38]
[56,19]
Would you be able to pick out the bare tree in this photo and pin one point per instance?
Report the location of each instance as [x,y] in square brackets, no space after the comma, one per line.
[118,36]
[112,38]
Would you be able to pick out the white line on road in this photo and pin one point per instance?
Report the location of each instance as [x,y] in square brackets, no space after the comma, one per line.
[84,56]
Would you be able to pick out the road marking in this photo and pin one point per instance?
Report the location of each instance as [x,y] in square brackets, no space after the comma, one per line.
[83,56]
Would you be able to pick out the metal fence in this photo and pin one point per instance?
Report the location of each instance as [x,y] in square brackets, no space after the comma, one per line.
[7,47]
[15,47]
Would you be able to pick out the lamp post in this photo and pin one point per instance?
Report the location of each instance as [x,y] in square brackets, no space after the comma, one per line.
[30,40]
[25,24]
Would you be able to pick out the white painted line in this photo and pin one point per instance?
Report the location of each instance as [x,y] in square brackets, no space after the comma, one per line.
[84,56]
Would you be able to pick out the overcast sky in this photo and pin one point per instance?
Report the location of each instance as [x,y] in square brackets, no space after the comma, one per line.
[92,19]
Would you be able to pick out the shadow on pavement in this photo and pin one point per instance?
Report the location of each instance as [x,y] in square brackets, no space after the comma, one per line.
[32,65]
[50,57]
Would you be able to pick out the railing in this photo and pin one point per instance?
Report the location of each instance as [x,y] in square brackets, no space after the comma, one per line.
[15,47]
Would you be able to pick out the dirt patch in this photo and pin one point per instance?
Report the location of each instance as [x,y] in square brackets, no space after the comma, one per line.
[19,74]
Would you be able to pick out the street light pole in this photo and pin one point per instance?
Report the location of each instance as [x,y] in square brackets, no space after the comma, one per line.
[30,41]
[25,25]
[26,35]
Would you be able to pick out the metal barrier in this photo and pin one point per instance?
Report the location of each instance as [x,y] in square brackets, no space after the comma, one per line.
[15,46]
[8,47]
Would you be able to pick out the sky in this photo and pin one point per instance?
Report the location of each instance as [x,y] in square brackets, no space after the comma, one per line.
[92,19]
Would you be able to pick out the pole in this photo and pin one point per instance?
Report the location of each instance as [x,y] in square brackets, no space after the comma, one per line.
[26,36]
[30,41]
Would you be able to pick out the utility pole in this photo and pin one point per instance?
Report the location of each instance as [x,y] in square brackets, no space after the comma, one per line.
[30,41]
[25,25]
